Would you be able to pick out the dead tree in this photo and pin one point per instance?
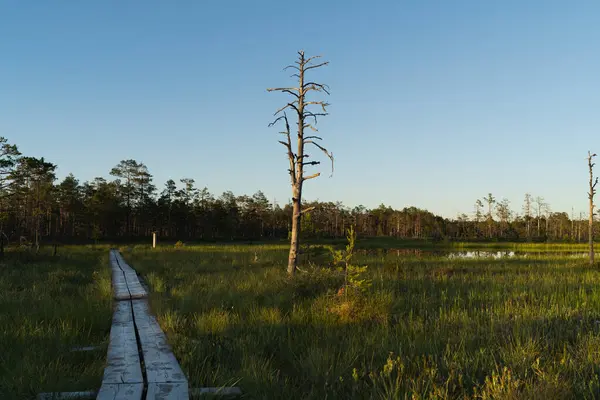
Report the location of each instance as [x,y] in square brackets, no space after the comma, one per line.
[591,193]
[306,114]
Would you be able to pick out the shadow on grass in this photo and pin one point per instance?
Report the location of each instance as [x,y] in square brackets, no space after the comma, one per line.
[49,304]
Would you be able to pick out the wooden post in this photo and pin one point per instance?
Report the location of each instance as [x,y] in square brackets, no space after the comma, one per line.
[153,240]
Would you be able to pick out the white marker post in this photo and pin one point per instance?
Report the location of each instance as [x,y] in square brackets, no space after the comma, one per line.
[153,240]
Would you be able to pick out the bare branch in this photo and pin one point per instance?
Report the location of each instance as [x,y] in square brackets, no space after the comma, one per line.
[319,85]
[311,176]
[307,210]
[314,115]
[311,127]
[279,89]
[320,103]
[316,66]
[286,106]
[312,137]
[277,120]
[291,66]
[288,145]
[285,90]
[309,59]
[324,150]
[315,86]
[292,93]
[312,163]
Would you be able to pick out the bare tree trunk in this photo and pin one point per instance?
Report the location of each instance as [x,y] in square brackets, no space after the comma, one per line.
[295,235]
[592,192]
[298,160]
[591,231]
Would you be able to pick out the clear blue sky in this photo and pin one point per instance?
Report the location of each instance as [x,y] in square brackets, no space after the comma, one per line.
[434,103]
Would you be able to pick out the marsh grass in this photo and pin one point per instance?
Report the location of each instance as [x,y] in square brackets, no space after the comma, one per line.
[429,327]
[48,305]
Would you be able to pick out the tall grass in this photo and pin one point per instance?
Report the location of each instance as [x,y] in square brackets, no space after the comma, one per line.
[430,327]
[48,305]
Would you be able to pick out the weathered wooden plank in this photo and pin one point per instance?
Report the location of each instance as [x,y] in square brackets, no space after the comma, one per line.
[121,291]
[112,256]
[122,360]
[136,290]
[123,391]
[125,280]
[161,365]
[122,376]
[167,391]
[121,260]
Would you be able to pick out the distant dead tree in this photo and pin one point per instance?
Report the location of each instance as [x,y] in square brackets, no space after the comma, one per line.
[591,193]
[307,118]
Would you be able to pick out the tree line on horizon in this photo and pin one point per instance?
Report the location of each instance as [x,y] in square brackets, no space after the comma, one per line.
[35,208]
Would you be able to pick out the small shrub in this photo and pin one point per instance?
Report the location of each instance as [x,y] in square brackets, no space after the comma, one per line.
[355,281]
[179,244]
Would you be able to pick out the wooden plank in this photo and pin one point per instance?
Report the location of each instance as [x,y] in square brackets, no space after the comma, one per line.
[124,391]
[122,360]
[123,378]
[136,290]
[112,256]
[121,260]
[167,391]
[161,364]
[121,291]
[125,280]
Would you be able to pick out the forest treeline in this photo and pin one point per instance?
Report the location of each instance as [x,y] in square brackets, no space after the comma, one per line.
[37,208]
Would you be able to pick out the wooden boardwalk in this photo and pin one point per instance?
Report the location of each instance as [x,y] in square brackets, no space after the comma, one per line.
[126,284]
[140,363]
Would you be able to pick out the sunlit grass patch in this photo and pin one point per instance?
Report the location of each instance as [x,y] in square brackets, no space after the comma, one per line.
[429,326]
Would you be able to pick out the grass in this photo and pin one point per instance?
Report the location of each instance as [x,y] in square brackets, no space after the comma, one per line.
[48,305]
[428,327]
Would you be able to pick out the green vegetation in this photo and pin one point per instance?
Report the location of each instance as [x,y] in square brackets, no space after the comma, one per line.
[49,305]
[130,205]
[426,326]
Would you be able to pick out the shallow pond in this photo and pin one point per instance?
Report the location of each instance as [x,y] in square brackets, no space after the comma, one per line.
[470,254]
